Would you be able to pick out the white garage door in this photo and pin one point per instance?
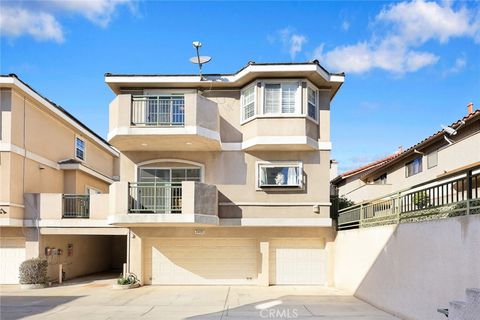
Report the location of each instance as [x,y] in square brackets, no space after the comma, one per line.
[297,261]
[201,261]
[12,254]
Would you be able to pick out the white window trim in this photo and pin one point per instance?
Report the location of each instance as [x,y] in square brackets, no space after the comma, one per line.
[92,188]
[301,100]
[84,148]
[298,96]
[255,102]
[192,164]
[317,100]
[278,164]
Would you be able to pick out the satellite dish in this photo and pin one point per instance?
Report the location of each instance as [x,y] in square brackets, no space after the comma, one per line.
[200,60]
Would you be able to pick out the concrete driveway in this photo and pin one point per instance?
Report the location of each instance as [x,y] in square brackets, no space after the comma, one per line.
[94,299]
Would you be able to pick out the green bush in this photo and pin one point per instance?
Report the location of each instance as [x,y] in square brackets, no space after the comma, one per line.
[33,271]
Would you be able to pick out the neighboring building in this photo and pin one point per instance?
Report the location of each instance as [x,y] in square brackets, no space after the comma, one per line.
[54,176]
[440,155]
[351,186]
[225,178]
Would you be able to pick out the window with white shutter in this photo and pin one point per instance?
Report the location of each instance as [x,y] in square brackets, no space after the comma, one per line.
[248,103]
[280,98]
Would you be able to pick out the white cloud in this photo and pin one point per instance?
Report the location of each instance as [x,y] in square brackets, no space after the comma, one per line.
[457,66]
[98,11]
[292,41]
[40,25]
[408,25]
[345,25]
[39,19]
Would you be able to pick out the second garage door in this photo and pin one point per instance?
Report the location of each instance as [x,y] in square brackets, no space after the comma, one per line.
[12,254]
[297,261]
[201,261]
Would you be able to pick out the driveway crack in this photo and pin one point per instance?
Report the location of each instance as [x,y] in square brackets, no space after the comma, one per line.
[225,305]
[151,308]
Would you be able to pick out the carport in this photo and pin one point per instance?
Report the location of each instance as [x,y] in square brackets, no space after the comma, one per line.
[83,251]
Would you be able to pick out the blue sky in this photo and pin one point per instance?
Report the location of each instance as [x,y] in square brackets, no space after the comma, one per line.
[410,66]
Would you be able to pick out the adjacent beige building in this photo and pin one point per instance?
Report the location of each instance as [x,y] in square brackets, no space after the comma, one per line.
[54,175]
[224,179]
[448,152]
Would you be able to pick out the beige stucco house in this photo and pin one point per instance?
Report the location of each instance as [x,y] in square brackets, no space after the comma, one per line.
[225,179]
[451,151]
[55,175]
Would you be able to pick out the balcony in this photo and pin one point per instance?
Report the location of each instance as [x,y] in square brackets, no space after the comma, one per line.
[435,199]
[176,122]
[145,203]
[294,132]
[66,210]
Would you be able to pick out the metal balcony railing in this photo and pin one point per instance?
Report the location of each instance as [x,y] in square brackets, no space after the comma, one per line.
[76,206]
[158,110]
[453,197]
[155,197]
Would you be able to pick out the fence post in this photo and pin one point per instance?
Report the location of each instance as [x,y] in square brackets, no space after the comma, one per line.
[469,190]
[360,223]
[60,273]
[398,207]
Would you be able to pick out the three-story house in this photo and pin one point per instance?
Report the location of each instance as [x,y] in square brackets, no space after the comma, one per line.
[224,179]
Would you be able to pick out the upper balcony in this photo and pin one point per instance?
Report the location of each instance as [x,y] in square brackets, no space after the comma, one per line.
[173,122]
[66,210]
[152,203]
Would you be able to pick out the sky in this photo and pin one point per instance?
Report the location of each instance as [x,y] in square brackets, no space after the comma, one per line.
[410,65]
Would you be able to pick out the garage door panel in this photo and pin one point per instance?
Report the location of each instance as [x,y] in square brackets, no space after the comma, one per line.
[201,261]
[297,261]
[12,254]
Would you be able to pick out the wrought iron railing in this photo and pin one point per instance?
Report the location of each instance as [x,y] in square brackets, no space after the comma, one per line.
[76,206]
[158,110]
[155,197]
[453,197]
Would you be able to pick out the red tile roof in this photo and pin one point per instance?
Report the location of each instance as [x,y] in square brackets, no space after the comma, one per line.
[425,141]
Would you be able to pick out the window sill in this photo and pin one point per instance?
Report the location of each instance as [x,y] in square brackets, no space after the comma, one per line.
[279,116]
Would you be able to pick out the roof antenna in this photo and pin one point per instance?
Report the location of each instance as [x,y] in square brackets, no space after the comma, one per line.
[200,60]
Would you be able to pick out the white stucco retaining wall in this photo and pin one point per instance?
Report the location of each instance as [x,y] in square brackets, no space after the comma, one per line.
[411,269]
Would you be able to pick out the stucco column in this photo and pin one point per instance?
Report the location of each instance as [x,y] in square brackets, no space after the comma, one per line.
[135,255]
[188,197]
[264,272]
[33,243]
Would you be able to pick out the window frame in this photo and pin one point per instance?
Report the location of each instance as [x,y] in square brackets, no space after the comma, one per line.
[77,138]
[273,164]
[436,159]
[382,179]
[199,168]
[317,98]
[255,103]
[411,162]
[298,95]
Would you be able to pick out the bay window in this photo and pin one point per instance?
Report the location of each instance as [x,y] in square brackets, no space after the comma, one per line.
[279,175]
[248,103]
[280,98]
[312,103]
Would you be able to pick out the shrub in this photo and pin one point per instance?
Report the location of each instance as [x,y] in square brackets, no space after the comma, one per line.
[33,271]
[421,199]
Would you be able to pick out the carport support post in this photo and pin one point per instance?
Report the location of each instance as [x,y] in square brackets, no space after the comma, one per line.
[60,275]
[264,272]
